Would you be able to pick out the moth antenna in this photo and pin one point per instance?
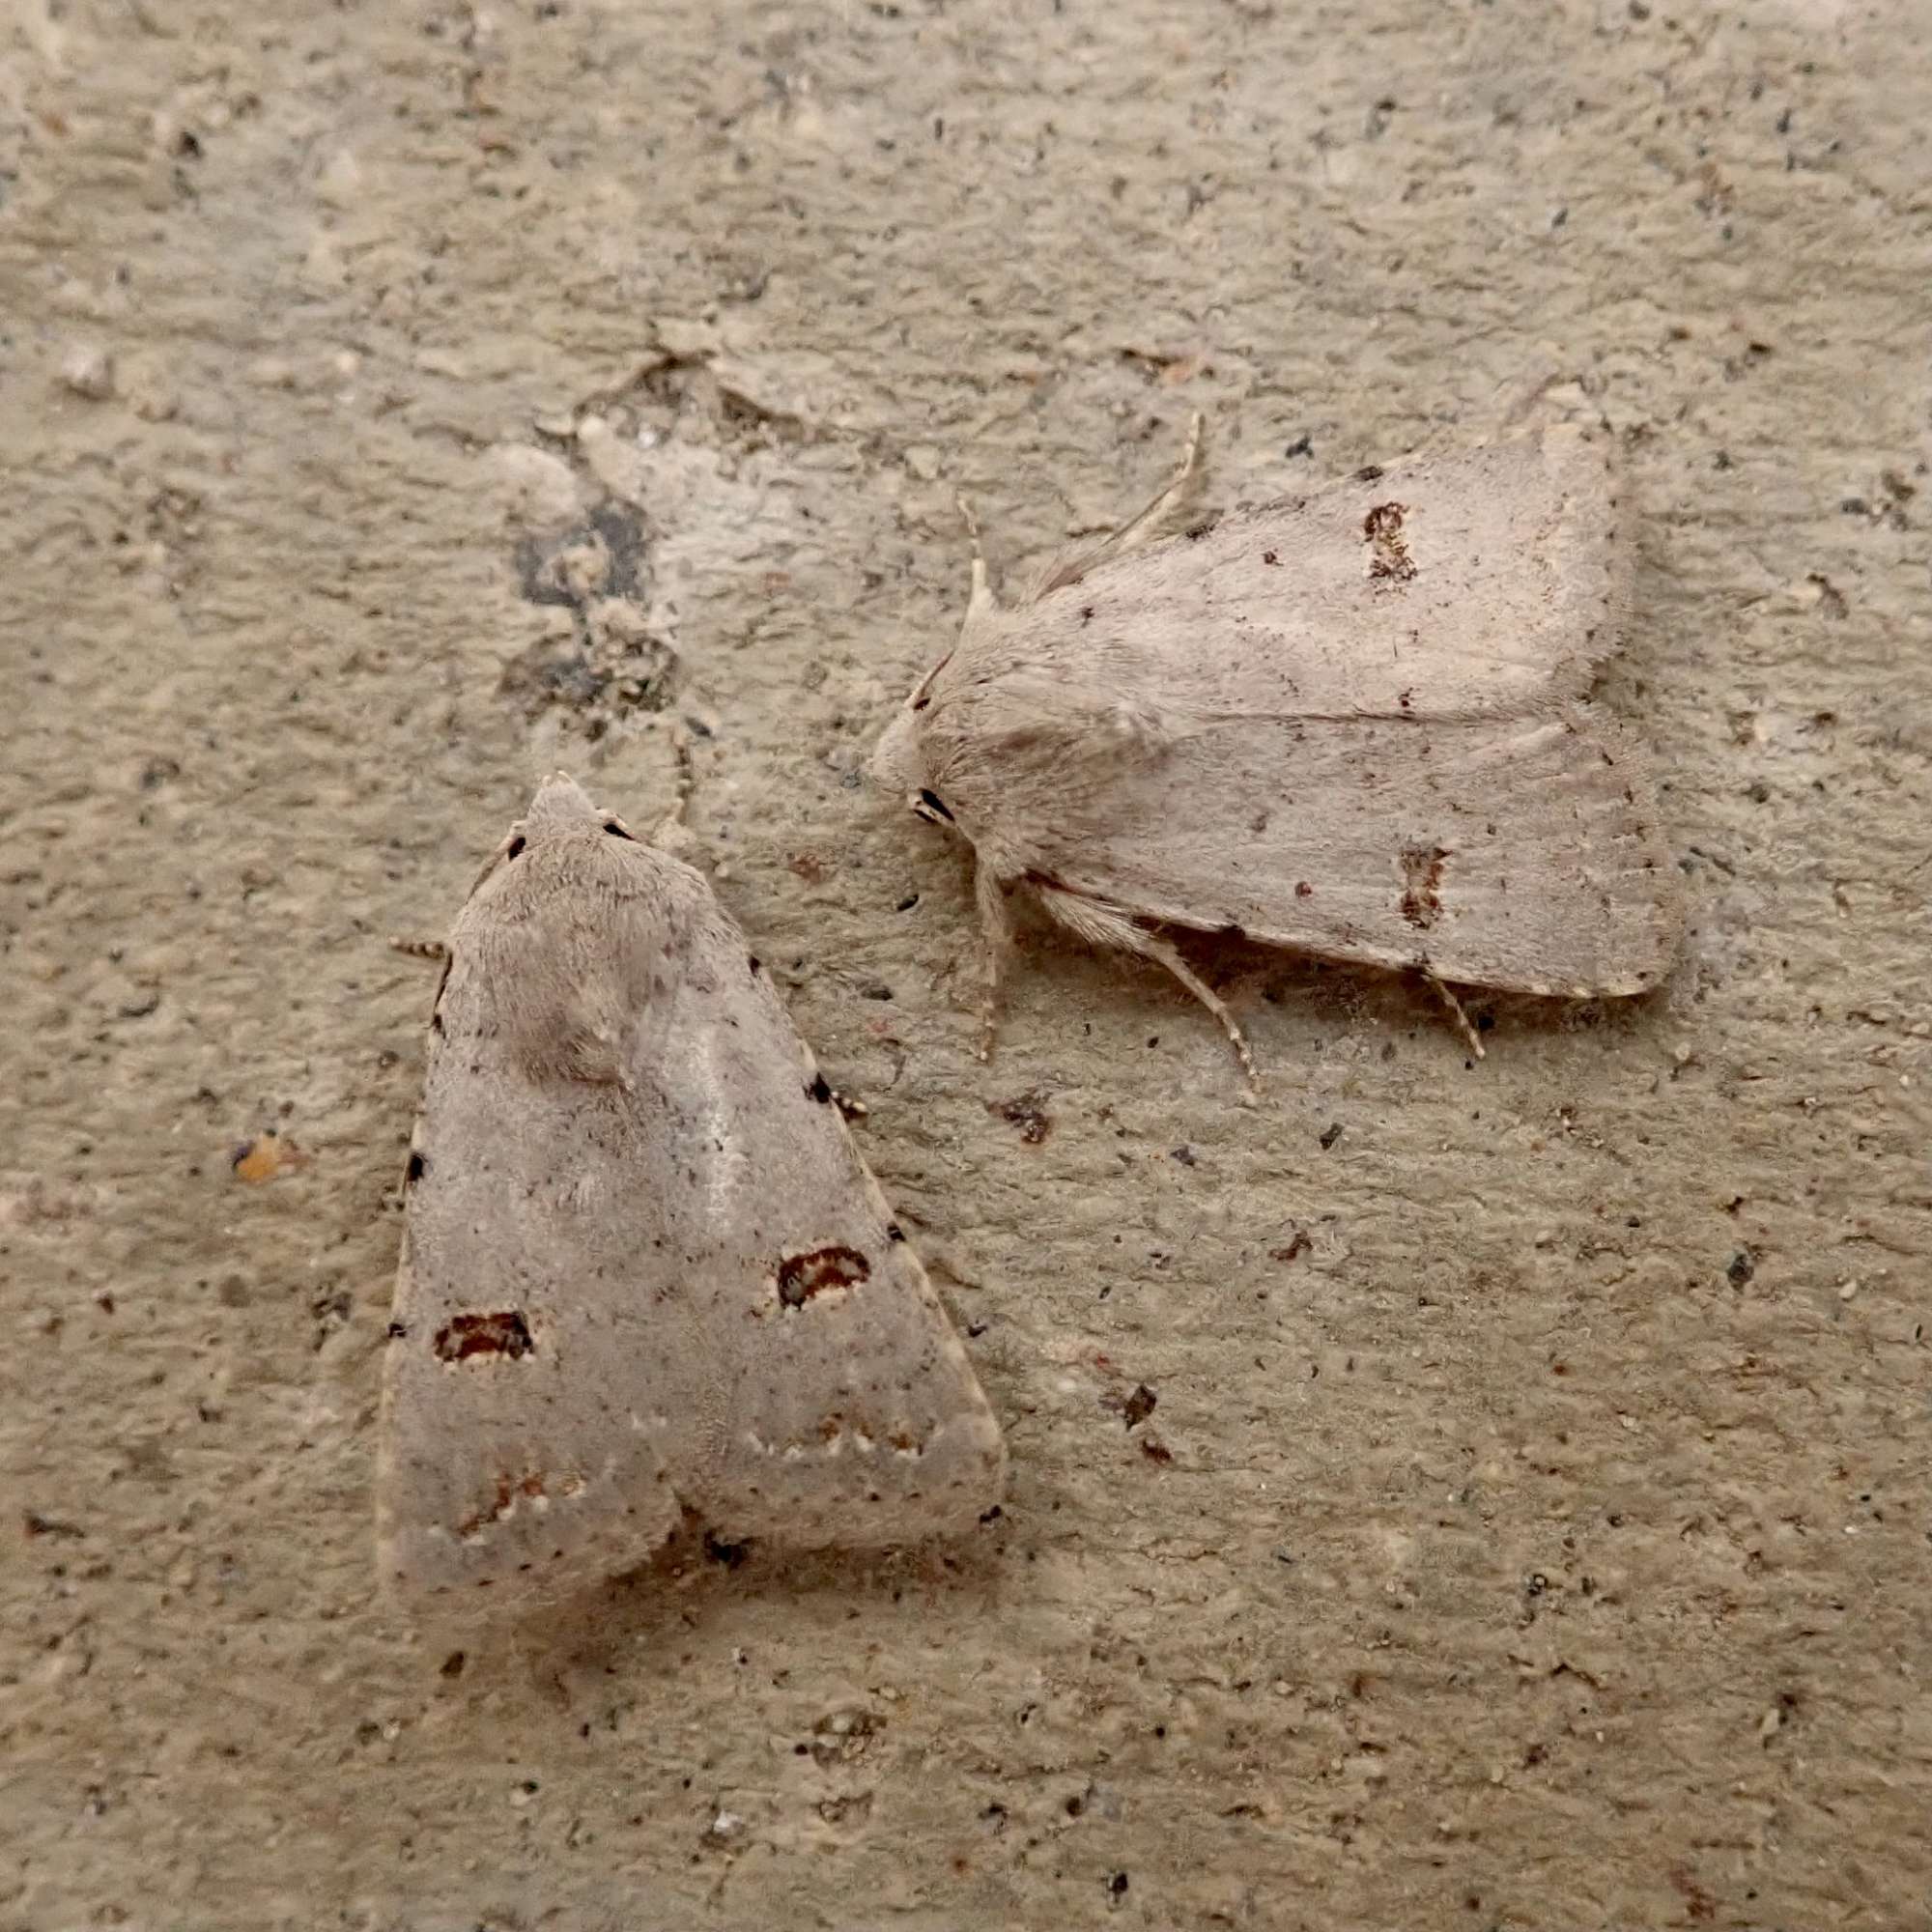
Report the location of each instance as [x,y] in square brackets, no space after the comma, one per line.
[433,949]
[980,601]
[1456,1010]
[1139,527]
[1176,489]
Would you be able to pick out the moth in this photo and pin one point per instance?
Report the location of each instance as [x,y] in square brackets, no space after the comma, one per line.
[1353,722]
[644,1270]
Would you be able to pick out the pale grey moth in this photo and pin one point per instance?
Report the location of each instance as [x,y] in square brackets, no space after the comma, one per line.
[644,1270]
[1354,722]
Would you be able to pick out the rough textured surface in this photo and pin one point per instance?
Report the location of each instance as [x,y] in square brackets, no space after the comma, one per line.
[1443,1495]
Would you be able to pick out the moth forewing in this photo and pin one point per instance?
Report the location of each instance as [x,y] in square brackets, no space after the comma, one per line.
[644,1269]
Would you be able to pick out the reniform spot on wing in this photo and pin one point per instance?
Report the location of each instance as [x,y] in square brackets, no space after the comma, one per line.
[803,1276]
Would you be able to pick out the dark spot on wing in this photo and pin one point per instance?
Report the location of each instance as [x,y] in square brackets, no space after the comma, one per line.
[931,806]
[616,830]
[465,1336]
[1421,884]
[757,964]
[1269,557]
[1303,889]
[802,1276]
[819,1089]
[1370,474]
[893,1232]
[515,848]
[417,1166]
[508,1490]
[1389,560]
[1087,613]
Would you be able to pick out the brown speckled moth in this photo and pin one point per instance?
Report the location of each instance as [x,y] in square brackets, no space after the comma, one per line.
[1355,723]
[644,1269]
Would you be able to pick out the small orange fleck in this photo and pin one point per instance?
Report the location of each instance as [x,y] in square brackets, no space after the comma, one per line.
[265,1156]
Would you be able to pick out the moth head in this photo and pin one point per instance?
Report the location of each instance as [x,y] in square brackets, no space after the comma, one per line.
[561,814]
[563,809]
[898,763]
[561,804]
[900,766]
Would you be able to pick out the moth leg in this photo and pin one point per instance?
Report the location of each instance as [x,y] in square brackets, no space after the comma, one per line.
[1101,925]
[1456,1008]
[996,931]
